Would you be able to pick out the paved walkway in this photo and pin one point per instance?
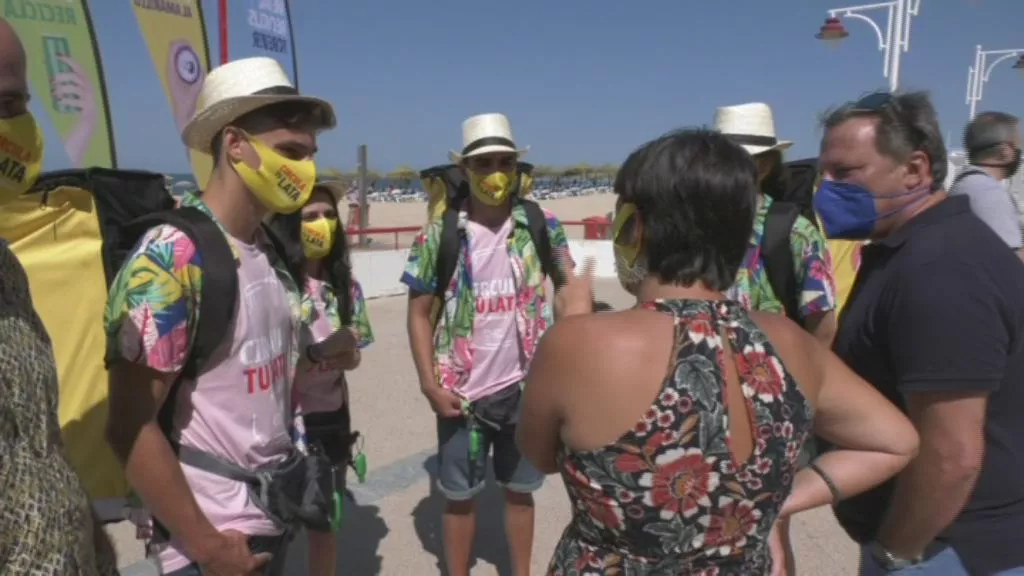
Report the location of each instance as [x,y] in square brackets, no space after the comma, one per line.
[395,526]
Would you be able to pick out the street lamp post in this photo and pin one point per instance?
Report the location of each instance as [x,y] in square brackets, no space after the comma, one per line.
[978,74]
[892,43]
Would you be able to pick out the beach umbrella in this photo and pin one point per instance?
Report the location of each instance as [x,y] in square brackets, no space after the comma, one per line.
[404,174]
[608,171]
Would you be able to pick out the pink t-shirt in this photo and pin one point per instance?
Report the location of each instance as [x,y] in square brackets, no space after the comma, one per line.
[320,386]
[240,407]
[497,360]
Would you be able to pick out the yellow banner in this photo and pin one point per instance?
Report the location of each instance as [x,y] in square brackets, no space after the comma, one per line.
[176,37]
[66,80]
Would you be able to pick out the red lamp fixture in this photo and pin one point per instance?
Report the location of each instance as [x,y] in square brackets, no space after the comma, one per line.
[832,31]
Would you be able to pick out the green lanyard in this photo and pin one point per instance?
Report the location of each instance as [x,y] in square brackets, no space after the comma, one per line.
[337,498]
[475,436]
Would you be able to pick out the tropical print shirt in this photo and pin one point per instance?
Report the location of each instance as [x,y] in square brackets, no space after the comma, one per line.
[453,336]
[162,281]
[811,261]
[845,256]
[332,309]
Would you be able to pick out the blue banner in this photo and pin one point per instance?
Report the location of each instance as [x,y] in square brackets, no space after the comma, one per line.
[261,28]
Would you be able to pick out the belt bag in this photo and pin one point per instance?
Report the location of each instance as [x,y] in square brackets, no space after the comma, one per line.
[289,492]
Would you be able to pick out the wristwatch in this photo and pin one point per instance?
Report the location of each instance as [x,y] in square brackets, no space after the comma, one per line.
[889,561]
[313,354]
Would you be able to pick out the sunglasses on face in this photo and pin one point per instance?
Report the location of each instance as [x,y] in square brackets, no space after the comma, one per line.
[486,164]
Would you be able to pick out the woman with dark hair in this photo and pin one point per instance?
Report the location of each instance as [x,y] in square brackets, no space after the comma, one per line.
[676,425]
[332,299]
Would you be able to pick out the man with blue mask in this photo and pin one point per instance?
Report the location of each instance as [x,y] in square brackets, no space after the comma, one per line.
[934,322]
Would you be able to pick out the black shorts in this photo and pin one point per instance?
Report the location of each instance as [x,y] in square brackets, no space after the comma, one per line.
[333,432]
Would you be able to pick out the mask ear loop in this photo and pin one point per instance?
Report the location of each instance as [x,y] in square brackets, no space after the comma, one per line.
[632,250]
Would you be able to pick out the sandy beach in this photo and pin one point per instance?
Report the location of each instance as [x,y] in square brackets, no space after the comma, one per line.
[396,215]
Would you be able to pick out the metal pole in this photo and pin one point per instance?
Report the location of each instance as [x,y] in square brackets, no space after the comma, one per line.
[364,219]
[896,43]
[222,13]
[976,81]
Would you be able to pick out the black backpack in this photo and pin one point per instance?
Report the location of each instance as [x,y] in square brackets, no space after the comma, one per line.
[448,248]
[796,199]
[129,204]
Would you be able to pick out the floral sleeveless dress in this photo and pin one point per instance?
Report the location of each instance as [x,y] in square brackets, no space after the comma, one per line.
[668,498]
[47,527]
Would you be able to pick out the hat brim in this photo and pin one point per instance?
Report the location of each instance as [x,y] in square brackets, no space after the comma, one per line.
[457,158]
[755,150]
[337,188]
[206,124]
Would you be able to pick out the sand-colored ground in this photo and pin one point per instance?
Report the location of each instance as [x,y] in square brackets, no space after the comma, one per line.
[387,215]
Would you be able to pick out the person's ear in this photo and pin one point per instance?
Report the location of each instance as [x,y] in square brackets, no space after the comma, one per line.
[233,144]
[919,171]
[1006,152]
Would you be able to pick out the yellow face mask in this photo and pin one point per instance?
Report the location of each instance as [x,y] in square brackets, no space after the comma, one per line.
[492,189]
[282,185]
[318,237]
[21,155]
[626,248]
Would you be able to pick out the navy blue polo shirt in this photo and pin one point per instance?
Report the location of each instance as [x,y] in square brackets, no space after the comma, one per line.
[939,306]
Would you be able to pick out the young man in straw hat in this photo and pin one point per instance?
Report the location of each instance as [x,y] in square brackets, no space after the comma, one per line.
[472,360]
[262,135]
[753,127]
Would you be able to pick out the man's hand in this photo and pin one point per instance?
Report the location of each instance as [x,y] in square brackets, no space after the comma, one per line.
[444,402]
[577,295]
[229,555]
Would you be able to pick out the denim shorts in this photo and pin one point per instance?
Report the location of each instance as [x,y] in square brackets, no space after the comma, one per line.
[459,479]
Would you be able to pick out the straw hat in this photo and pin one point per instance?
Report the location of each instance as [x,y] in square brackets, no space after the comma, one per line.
[486,134]
[751,126]
[237,88]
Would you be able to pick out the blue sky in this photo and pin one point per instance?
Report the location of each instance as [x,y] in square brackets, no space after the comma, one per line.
[581,80]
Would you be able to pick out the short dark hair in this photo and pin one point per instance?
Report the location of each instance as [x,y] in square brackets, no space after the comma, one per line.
[986,132]
[696,194]
[288,114]
[907,123]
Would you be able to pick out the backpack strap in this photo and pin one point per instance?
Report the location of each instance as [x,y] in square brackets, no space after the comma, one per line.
[219,289]
[447,250]
[538,227]
[777,255]
[967,171]
[217,299]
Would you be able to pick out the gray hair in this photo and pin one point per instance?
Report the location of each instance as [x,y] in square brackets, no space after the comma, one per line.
[907,123]
[986,132]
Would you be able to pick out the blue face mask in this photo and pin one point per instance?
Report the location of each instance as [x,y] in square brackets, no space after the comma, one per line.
[848,212]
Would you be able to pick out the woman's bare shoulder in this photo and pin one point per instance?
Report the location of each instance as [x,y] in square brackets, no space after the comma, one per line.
[595,354]
[606,338]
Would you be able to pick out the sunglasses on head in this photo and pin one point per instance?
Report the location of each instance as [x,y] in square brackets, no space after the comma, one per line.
[872,102]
